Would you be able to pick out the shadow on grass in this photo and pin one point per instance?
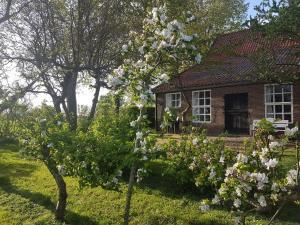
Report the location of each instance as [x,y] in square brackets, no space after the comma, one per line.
[44,201]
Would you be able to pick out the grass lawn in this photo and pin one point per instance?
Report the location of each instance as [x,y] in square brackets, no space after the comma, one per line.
[28,195]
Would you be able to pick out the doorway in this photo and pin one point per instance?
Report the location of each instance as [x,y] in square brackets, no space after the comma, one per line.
[236,113]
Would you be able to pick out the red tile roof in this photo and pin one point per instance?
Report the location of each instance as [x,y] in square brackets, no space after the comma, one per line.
[231,61]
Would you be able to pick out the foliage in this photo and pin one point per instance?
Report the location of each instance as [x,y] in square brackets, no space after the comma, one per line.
[256,180]
[195,159]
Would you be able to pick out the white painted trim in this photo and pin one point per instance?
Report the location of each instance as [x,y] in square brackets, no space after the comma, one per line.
[280,103]
[210,106]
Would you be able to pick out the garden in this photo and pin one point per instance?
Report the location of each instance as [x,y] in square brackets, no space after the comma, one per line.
[60,164]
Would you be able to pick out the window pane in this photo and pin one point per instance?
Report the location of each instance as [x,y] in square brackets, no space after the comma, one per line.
[269,98]
[201,102]
[287,88]
[287,108]
[278,89]
[201,94]
[207,110]
[278,98]
[288,117]
[201,118]
[207,101]
[270,109]
[278,108]
[207,94]
[201,110]
[287,98]
[278,116]
[269,89]
[207,118]
[270,115]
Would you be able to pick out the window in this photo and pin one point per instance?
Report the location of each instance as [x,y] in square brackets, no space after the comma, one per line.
[279,102]
[202,106]
[173,100]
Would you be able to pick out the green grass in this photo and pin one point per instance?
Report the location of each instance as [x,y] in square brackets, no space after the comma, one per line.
[28,196]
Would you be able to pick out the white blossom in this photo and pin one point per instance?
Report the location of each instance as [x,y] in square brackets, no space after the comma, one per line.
[222,159]
[237,203]
[291,177]
[291,132]
[198,58]
[186,38]
[212,174]
[216,200]
[125,48]
[139,135]
[275,144]
[271,163]
[50,145]
[133,123]
[262,201]
[204,207]
[195,141]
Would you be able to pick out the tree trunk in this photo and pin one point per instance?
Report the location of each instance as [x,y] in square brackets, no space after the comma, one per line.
[70,84]
[61,186]
[129,195]
[94,104]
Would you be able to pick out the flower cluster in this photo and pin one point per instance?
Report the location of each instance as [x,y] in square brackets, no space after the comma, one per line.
[149,59]
[255,179]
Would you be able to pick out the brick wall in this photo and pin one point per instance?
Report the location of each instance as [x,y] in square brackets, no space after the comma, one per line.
[256,108]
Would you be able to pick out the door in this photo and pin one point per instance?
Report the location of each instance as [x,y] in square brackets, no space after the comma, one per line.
[236,113]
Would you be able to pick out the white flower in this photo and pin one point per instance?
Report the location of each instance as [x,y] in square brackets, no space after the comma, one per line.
[271,138]
[154,45]
[271,163]
[254,153]
[275,187]
[59,123]
[291,177]
[238,191]
[114,81]
[186,38]
[198,58]
[125,48]
[229,171]
[163,17]
[222,159]
[119,71]
[195,141]
[205,141]
[192,166]
[133,123]
[237,220]
[139,135]
[145,158]
[275,144]
[192,18]
[50,145]
[141,50]
[163,44]
[262,201]
[242,158]
[61,169]
[164,78]
[215,200]
[212,174]
[166,33]
[291,132]
[204,207]
[237,203]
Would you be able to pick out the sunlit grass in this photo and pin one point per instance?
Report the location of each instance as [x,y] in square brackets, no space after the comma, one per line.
[28,195]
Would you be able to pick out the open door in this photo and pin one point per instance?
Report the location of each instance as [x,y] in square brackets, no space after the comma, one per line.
[236,113]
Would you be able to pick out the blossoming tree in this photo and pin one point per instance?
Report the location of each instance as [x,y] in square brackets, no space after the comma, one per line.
[256,182]
[161,49]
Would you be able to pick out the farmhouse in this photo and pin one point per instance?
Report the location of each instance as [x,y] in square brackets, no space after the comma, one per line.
[226,91]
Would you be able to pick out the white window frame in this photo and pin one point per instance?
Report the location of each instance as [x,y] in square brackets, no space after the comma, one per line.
[202,106]
[169,100]
[279,103]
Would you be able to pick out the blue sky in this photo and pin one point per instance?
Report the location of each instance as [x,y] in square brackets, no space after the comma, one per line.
[252,3]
